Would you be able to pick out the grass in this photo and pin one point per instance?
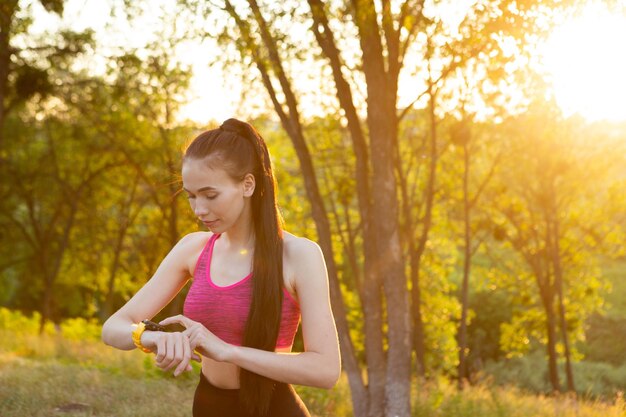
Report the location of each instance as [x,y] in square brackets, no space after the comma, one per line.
[43,388]
[42,375]
[53,376]
[30,387]
[442,399]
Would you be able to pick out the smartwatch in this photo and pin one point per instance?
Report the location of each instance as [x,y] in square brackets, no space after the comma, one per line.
[152,326]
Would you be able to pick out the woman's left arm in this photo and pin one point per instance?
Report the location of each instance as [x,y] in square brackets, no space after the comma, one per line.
[320,364]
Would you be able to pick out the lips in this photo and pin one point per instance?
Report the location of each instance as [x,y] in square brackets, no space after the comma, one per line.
[209,223]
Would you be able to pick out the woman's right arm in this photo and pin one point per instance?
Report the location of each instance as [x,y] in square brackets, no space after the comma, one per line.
[169,278]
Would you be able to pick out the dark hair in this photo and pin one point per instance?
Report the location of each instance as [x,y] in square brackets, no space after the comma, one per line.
[239,149]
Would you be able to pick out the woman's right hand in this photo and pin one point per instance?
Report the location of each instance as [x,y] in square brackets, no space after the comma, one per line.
[172,350]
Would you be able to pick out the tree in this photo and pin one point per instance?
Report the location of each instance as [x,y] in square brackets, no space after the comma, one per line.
[385,35]
[546,196]
[22,76]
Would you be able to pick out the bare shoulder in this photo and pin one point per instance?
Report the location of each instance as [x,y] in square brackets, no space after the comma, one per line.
[195,238]
[190,247]
[192,240]
[300,249]
[303,263]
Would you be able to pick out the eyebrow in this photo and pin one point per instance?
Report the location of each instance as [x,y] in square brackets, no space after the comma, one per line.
[201,189]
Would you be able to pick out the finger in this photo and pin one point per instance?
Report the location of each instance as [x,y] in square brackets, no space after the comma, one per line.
[161,358]
[170,350]
[193,328]
[160,349]
[177,354]
[194,340]
[184,363]
[180,319]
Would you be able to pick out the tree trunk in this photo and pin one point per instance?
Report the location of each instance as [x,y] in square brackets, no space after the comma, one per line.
[553,372]
[51,268]
[463,374]
[558,278]
[7,10]
[390,264]
[46,304]
[107,307]
[383,129]
[372,297]
[419,344]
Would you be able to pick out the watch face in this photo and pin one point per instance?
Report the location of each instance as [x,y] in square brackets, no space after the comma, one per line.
[150,325]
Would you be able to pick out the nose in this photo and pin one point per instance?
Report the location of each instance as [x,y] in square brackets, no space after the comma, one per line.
[200,209]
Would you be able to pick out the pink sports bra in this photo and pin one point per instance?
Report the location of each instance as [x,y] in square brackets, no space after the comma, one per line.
[224,310]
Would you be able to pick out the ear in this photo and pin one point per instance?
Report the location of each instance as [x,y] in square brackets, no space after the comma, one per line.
[249,183]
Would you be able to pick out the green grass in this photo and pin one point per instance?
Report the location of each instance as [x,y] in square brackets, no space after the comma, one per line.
[39,374]
[44,375]
[36,388]
[443,399]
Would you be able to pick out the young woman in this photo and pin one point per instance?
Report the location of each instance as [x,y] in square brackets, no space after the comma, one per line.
[252,285]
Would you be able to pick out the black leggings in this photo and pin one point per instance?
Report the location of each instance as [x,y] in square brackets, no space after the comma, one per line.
[211,401]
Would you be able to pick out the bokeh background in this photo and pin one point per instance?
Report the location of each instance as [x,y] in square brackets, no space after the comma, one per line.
[462,164]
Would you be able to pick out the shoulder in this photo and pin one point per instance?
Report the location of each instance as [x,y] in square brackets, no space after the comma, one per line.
[191,241]
[195,238]
[303,262]
[300,249]
[307,269]
[190,246]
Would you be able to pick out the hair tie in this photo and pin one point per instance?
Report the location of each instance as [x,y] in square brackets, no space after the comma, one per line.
[247,132]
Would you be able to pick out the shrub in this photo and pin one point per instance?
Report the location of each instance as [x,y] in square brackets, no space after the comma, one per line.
[591,379]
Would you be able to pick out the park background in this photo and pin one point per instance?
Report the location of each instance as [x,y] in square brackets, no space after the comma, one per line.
[462,164]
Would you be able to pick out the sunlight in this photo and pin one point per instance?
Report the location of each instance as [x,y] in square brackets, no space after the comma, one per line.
[587,65]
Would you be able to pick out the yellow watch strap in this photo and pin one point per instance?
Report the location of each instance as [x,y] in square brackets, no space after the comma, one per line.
[139,329]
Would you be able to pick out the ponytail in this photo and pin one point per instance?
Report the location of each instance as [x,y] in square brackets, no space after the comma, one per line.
[242,150]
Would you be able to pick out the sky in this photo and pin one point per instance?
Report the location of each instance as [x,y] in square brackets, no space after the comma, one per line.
[586,57]
[583,57]
[113,33]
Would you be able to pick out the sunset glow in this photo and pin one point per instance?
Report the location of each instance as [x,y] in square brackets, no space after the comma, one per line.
[586,62]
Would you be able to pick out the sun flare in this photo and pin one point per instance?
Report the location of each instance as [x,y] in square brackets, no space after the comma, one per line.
[586,60]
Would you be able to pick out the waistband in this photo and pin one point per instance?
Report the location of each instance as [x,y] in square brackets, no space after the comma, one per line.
[234,392]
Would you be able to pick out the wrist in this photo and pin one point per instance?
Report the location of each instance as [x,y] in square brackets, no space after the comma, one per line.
[231,353]
[137,333]
[148,339]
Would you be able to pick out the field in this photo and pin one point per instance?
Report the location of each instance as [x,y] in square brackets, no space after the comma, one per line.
[50,375]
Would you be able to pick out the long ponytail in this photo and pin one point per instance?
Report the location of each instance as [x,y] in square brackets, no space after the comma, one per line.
[241,150]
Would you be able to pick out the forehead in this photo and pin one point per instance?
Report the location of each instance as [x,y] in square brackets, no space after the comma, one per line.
[198,174]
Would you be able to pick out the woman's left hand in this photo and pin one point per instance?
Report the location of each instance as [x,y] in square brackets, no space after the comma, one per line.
[201,339]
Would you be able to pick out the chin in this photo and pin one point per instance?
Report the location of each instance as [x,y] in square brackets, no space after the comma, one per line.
[218,229]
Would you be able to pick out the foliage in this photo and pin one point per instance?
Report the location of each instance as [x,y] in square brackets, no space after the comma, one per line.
[596,380]
[89,200]
[15,321]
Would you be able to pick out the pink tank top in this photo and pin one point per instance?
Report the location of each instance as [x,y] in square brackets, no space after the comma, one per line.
[224,310]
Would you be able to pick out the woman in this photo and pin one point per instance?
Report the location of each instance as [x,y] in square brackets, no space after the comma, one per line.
[253,283]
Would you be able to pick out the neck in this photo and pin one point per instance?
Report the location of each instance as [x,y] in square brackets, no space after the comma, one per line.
[241,234]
